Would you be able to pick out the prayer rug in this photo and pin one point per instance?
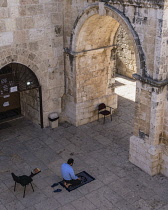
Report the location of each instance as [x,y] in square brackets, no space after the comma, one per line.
[85,178]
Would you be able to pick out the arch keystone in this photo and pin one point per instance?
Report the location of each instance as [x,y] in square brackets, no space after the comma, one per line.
[102,10]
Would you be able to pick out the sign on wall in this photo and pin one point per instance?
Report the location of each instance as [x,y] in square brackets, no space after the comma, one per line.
[13,89]
[6,83]
[9,95]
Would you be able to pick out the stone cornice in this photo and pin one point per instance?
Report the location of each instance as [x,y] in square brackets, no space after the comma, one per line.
[150,81]
[141,3]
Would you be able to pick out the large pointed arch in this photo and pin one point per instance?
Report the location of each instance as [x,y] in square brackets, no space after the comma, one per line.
[90,77]
[122,20]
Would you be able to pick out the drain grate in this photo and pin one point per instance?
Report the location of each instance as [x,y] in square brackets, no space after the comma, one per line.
[4,126]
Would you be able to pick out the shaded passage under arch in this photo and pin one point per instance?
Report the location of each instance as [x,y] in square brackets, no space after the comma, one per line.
[16,78]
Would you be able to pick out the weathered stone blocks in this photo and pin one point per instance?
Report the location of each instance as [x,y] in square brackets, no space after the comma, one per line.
[6,38]
[125,55]
[3,3]
[144,155]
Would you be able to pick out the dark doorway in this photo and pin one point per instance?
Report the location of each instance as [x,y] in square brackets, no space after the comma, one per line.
[20,92]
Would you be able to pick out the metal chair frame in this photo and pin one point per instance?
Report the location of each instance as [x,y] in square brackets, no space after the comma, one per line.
[102,109]
[23,180]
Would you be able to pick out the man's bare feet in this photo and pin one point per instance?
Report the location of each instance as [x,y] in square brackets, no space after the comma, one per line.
[66,184]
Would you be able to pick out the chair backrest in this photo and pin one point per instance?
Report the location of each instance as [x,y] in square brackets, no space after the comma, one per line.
[23,180]
[15,178]
[101,106]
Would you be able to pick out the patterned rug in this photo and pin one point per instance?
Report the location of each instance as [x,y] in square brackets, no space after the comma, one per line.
[85,178]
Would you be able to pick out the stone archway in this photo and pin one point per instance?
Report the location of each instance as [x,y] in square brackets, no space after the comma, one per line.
[91,77]
[33,62]
[108,10]
[24,57]
[20,93]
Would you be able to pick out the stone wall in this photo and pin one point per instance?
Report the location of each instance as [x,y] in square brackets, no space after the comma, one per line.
[163,138]
[31,33]
[125,54]
[142,111]
[94,69]
[144,149]
[148,146]
[144,155]
[165,122]
[30,105]
[164,161]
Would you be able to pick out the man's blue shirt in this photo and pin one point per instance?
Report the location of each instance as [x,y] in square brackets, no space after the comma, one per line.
[67,172]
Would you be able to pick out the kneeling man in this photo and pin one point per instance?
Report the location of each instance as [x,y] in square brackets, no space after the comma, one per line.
[68,174]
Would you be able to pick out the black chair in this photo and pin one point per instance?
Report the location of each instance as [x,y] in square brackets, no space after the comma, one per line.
[102,109]
[23,180]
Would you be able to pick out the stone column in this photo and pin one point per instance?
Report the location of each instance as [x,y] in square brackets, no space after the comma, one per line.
[145,147]
[148,148]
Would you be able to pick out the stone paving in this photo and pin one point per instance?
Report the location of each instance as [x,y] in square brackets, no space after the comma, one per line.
[101,150]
